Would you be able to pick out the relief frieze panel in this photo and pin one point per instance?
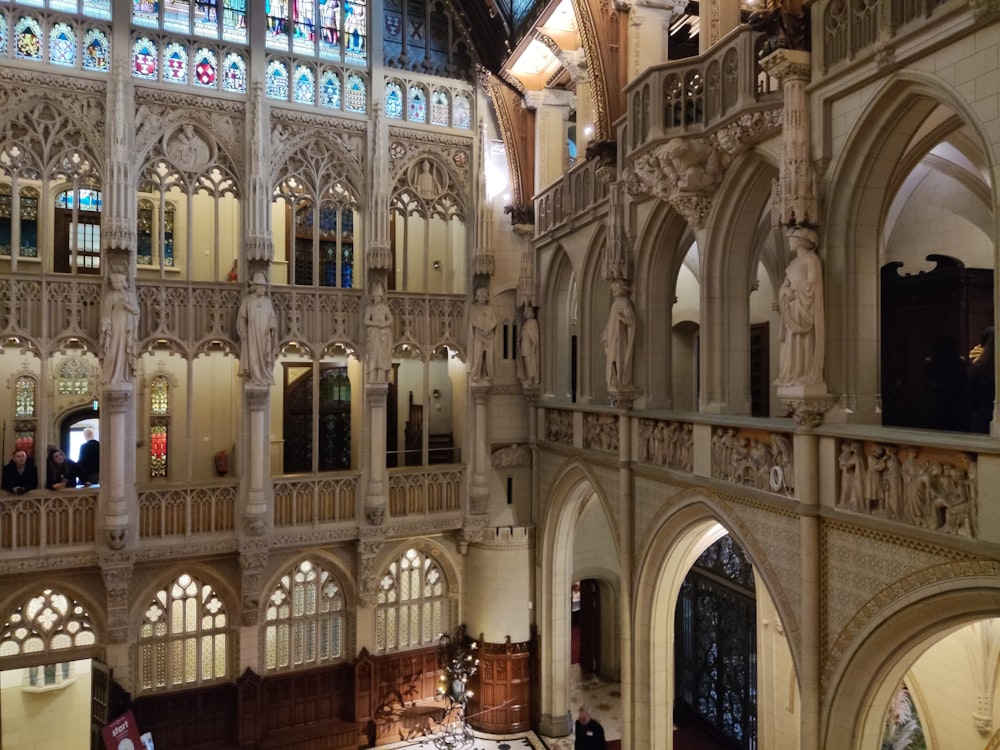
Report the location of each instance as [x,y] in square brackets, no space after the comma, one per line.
[666,443]
[753,458]
[600,432]
[559,426]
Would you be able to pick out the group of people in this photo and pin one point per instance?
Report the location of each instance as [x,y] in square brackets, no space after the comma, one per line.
[20,475]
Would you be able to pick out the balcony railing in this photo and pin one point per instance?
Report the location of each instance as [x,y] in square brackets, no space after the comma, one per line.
[691,95]
[422,492]
[187,511]
[579,190]
[39,522]
[315,501]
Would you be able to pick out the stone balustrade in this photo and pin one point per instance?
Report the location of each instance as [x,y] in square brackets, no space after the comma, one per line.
[425,491]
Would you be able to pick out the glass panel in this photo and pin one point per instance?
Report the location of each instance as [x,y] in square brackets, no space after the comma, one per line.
[234,20]
[417,105]
[393,101]
[25,388]
[277,80]
[439,108]
[206,21]
[28,39]
[144,59]
[97,9]
[463,112]
[329,42]
[146,13]
[235,78]
[177,15]
[305,85]
[175,67]
[205,68]
[277,23]
[304,26]
[355,26]
[329,90]
[62,45]
[357,94]
[96,51]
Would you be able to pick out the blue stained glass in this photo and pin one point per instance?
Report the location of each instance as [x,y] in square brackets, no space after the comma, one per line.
[144,59]
[146,13]
[28,39]
[329,42]
[177,15]
[96,51]
[235,78]
[33,3]
[393,101]
[3,34]
[277,23]
[305,85]
[277,81]
[69,5]
[355,30]
[329,90]
[175,63]
[205,69]
[417,111]
[206,19]
[357,94]
[62,45]
[304,26]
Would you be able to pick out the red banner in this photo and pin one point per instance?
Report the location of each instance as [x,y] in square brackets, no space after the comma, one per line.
[122,733]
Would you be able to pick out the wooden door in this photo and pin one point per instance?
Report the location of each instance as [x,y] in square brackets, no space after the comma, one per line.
[590,627]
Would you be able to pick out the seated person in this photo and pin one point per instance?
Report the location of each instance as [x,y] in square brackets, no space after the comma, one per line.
[60,472]
[20,474]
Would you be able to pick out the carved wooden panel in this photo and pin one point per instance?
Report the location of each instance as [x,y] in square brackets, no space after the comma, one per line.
[501,703]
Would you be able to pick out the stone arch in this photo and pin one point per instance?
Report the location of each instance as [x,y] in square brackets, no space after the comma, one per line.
[727,278]
[879,648]
[857,200]
[596,301]
[556,319]
[571,491]
[675,537]
[660,252]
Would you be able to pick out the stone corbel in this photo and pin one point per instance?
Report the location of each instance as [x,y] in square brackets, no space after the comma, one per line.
[116,571]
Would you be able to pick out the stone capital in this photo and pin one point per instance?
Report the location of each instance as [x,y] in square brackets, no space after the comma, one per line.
[788,64]
[257,398]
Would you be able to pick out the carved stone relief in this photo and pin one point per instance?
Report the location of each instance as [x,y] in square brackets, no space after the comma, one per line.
[667,444]
[600,432]
[559,426]
[925,487]
[753,458]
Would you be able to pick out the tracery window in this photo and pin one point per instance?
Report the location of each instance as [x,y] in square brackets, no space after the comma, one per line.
[411,610]
[189,64]
[27,221]
[68,44]
[155,233]
[159,425]
[305,619]
[49,621]
[25,397]
[183,640]
[74,378]
[215,19]
[416,110]
[78,231]
[328,29]
[440,106]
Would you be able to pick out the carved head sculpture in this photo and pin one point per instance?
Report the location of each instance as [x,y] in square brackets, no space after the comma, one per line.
[258,281]
[803,238]
[377,292]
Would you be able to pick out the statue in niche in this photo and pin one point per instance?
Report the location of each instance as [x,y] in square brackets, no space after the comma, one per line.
[852,476]
[119,323]
[892,480]
[619,337]
[483,324]
[426,182]
[800,301]
[874,485]
[258,329]
[528,348]
[378,336]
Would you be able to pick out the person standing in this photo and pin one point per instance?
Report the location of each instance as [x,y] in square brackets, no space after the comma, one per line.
[88,461]
[589,733]
[20,474]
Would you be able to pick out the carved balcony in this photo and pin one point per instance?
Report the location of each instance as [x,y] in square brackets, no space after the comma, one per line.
[580,192]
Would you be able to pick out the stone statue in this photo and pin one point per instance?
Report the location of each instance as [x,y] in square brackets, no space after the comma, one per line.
[691,165]
[892,479]
[258,328]
[119,322]
[800,301]
[852,476]
[483,324]
[528,348]
[378,336]
[619,337]
[426,183]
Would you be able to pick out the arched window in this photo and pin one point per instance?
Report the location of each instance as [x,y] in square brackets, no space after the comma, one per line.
[305,619]
[417,105]
[393,101]
[78,231]
[440,108]
[183,640]
[331,29]
[412,603]
[25,396]
[74,378]
[208,18]
[28,221]
[49,621]
[159,425]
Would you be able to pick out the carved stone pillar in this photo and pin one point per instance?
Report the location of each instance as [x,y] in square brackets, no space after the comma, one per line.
[552,113]
[479,491]
[369,547]
[257,474]
[253,560]
[378,490]
[117,408]
[116,570]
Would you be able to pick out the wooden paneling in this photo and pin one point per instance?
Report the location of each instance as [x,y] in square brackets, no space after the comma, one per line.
[501,702]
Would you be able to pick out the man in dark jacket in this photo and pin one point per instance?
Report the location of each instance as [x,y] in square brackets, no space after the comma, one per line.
[89,461]
[589,734]
[20,474]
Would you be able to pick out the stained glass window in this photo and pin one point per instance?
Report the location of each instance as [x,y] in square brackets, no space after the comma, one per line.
[144,59]
[329,40]
[28,39]
[305,85]
[410,608]
[357,94]
[97,8]
[235,75]
[393,101]
[175,63]
[205,68]
[305,619]
[304,26]
[29,221]
[96,51]
[159,427]
[183,637]
[48,621]
[277,80]
[201,18]
[355,26]
[277,24]
[329,90]
[440,108]
[417,105]
[462,117]
[62,45]
[234,20]
[146,13]
[25,389]
[3,35]
[74,378]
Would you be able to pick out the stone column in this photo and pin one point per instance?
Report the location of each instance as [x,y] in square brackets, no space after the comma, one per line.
[552,113]
[258,401]
[116,409]
[479,492]
[376,498]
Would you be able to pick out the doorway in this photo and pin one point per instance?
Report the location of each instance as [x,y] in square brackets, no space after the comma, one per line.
[587,626]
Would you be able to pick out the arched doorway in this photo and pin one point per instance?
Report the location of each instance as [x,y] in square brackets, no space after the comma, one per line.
[72,427]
